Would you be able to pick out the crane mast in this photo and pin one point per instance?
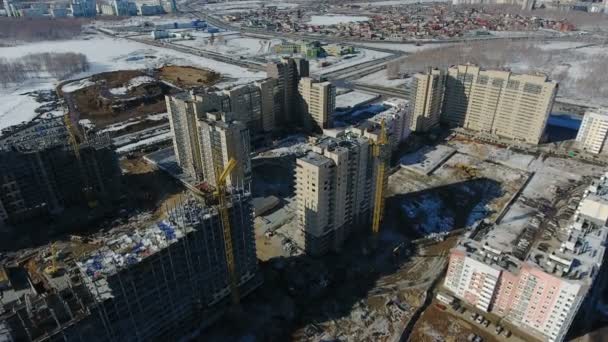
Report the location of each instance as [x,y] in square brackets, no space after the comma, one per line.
[379,153]
[224,216]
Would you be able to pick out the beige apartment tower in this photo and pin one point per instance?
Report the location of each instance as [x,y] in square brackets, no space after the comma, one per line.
[182,109]
[204,139]
[318,101]
[333,191]
[592,135]
[221,139]
[513,106]
[426,100]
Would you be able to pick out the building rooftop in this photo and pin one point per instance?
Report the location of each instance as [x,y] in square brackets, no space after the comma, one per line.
[120,249]
[574,251]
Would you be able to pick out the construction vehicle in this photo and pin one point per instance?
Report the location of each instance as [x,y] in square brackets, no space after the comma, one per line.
[379,153]
[220,194]
[469,170]
[52,269]
[72,139]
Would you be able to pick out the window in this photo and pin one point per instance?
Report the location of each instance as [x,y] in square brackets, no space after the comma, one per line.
[482,80]
[532,88]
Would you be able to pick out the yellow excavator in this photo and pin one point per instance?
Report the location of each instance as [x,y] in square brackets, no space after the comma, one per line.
[470,171]
[222,207]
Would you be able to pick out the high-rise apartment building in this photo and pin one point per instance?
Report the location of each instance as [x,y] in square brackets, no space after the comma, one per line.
[593,132]
[458,85]
[334,190]
[160,282]
[40,173]
[318,101]
[182,109]
[269,92]
[288,72]
[205,139]
[220,140]
[426,100]
[538,285]
[501,103]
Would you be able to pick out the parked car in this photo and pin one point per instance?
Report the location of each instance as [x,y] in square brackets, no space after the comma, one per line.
[499,329]
[474,316]
[507,333]
[479,319]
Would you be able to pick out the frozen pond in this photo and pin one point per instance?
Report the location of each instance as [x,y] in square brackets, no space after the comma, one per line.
[334,19]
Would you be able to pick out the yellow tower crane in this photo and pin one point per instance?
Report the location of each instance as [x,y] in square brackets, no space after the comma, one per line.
[223,210]
[72,133]
[379,153]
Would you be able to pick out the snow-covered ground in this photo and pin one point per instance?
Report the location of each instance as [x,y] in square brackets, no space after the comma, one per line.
[334,19]
[339,63]
[234,45]
[134,82]
[104,54]
[402,46]
[242,6]
[379,78]
[354,98]
[393,2]
[145,142]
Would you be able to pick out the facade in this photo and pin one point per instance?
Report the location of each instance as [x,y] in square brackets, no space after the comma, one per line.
[84,8]
[498,102]
[543,289]
[269,91]
[334,191]
[426,100]
[183,109]
[221,139]
[205,137]
[287,74]
[158,283]
[396,120]
[592,134]
[40,173]
[458,85]
[318,101]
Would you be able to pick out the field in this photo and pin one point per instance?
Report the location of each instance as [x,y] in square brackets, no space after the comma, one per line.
[103,54]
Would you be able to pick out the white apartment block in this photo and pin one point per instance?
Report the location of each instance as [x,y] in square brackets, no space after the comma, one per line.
[542,291]
[426,100]
[592,134]
[318,101]
[333,191]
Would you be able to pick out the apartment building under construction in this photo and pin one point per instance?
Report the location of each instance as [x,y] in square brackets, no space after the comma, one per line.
[502,103]
[334,190]
[42,173]
[157,283]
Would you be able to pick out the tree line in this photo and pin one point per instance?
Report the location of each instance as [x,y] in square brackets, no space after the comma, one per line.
[57,65]
[15,30]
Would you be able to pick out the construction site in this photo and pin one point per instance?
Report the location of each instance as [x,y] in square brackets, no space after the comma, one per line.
[109,286]
[50,169]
